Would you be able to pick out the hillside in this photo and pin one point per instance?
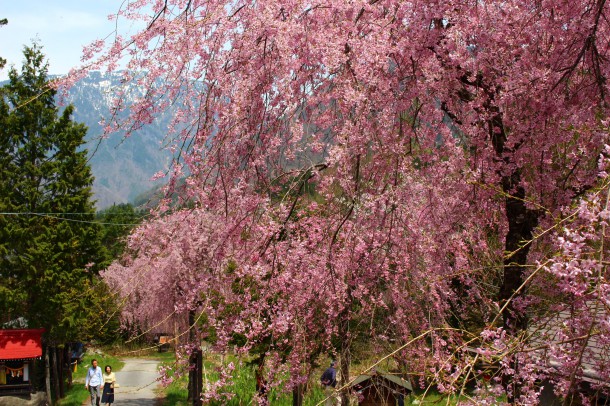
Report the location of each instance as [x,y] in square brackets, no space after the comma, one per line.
[122,166]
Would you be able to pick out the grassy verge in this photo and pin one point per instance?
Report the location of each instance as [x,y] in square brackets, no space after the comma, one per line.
[76,395]
[243,387]
[434,398]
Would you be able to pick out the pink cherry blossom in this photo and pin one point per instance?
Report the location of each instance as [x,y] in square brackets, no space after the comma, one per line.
[375,171]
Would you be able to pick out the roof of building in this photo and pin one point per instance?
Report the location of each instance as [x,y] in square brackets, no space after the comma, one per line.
[18,344]
[556,331]
[382,376]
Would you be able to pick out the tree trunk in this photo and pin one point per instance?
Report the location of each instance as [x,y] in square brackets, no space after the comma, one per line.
[344,367]
[195,377]
[68,361]
[297,395]
[55,372]
[47,374]
[191,381]
[60,370]
[345,356]
[196,365]
[521,224]
[191,389]
[198,386]
[259,376]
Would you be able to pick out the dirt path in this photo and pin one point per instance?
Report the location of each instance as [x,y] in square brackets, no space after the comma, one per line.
[137,382]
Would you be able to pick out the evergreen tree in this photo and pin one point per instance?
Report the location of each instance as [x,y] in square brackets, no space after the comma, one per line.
[49,245]
[117,222]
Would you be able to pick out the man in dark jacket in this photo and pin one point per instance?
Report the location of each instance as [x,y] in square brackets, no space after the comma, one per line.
[329,380]
[329,377]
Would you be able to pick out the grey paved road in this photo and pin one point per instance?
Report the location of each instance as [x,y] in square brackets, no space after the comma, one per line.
[137,382]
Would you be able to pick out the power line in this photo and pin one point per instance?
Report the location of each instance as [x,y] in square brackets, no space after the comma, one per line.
[57,213]
[56,216]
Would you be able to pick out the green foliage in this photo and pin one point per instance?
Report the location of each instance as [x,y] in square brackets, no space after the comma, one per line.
[49,248]
[106,328]
[117,222]
[75,396]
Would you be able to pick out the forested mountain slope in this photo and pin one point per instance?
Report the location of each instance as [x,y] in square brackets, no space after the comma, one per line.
[122,167]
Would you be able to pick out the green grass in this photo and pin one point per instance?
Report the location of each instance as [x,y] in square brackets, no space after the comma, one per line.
[433,397]
[243,388]
[167,357]
[77,394]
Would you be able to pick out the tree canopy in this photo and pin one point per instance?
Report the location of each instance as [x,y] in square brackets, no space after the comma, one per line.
[50,248]
[442,145]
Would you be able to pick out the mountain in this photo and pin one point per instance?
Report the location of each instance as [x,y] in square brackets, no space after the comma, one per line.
[122,166]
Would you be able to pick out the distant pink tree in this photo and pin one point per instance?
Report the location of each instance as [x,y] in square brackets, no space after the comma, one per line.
[158,286]
[363,158]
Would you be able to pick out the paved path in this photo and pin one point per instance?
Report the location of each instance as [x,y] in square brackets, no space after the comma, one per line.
[137,382]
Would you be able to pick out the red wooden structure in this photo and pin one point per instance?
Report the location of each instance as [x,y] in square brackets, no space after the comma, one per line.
[19,348]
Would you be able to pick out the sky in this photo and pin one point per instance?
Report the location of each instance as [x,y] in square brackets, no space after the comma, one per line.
[62,27]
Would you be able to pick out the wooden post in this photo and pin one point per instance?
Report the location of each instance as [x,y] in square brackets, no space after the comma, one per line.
[198,386]
[34,378]
[195,364]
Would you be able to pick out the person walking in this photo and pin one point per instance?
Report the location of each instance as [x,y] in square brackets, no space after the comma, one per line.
[109,384]
[329,381]
[93,382]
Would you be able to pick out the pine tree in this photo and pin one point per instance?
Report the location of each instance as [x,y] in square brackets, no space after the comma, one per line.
[49,246]
[117,222]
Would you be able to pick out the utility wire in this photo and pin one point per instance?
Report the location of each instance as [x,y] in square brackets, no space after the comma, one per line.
[56,216]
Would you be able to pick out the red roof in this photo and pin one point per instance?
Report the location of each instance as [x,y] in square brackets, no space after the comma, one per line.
[20,344]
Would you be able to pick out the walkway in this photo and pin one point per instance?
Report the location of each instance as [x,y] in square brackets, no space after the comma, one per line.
[137,382]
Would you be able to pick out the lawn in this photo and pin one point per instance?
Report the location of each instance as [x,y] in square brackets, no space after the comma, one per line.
[243,388]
